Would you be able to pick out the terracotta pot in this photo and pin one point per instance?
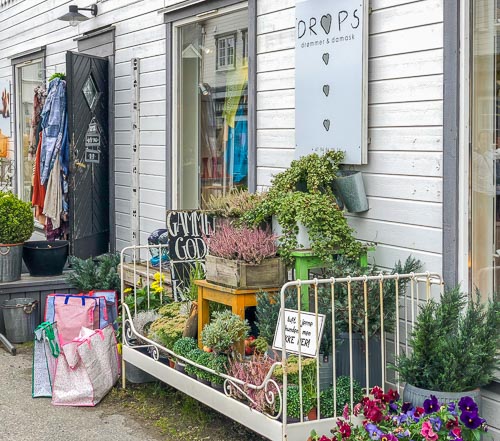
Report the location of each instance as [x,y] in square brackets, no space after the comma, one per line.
[313,414]
[171,363]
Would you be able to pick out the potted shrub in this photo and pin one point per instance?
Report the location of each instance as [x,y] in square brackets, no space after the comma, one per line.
[218,363]
[182,347]
[241,257]
[233,205]
[454,348]
[169,327]
[302,198]
[204,359]
[193,356]
[95,274]
[224,331]
[343,392]
[342,268]
[16,227]
[293,404]
[255,371]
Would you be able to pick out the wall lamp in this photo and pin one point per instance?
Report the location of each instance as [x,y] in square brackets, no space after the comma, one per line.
[74,17]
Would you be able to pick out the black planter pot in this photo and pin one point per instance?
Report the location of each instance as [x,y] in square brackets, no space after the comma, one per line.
[45,258]
[180,367]
[203,381]
[217,386]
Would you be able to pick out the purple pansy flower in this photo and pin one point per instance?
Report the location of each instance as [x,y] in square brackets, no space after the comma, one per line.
[451,408]
[431,405]
[471,420]
[436,423]
[405,434]
[373,431]
[467,404]
[406,407]
[388,437]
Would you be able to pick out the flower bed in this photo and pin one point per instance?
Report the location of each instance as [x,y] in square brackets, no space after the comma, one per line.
[386,418]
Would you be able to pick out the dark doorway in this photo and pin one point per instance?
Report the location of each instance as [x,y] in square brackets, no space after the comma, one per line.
[88,90]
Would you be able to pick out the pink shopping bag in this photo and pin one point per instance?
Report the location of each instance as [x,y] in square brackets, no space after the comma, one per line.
[74,312]
[87,369]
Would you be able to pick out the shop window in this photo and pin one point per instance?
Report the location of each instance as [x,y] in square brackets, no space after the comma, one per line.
[29,78]
[210,127]
[226,52]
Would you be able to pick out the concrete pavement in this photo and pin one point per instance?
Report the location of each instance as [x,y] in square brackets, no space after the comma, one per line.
[23,418]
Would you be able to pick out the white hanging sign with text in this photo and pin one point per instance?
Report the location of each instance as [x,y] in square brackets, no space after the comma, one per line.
[331,77]
[310,332]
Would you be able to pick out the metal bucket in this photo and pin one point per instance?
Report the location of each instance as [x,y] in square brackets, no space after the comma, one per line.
[11,262]
[349,184]
[20,319]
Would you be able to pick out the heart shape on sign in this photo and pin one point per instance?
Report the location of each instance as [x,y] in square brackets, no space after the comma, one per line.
[326,89]
[326,22]
[326,58]
[326,124]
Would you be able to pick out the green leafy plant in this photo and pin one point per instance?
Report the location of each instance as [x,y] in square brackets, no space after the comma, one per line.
[307,370]
[224,331]
[260,345]
[454,344]
[268,311]
[344,267]
[196,273]
[232,204]
[293,402]
[16,219]
[343,392]
[205,359]
[303,194]
[184,345]
[100,273]
[220,364]
[193,355]
[169,328]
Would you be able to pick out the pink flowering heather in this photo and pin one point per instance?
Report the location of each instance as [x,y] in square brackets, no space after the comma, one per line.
[246,244]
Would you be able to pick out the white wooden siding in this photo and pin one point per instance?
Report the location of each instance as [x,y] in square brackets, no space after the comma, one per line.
[403,177]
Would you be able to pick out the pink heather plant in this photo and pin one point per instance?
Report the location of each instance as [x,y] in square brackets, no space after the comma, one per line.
[246,244]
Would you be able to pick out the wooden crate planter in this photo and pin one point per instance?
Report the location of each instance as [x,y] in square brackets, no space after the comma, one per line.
[238,274]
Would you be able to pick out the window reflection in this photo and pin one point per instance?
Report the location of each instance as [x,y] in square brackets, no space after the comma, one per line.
[212,80]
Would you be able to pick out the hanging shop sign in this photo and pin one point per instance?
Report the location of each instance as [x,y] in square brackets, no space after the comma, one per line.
[92,136]
[331,77]
[185,243]
[310,332]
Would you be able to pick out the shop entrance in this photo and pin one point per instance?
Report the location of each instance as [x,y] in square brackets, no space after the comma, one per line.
[88,89]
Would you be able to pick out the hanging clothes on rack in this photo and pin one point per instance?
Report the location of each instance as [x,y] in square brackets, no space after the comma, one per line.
[38,195]
[35,126]
[54,159]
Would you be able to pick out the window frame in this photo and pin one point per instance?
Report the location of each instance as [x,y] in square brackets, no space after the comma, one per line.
[18,62]
[225,37]
[174,18]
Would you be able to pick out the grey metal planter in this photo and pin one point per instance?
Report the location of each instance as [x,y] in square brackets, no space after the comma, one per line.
[350,186]
[11,262]
[417,395]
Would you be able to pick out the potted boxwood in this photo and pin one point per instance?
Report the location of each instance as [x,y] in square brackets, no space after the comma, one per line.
[302,198]
[193,356]
[343,392]
[293,404]
[218,363]
[454,348]
[241,257]
[16,226]
[182,347]
[204,359]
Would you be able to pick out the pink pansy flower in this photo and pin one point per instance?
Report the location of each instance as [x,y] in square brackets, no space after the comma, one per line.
[427,432]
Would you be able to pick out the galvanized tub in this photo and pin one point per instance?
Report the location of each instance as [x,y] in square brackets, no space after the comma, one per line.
[11,262]
[20,316]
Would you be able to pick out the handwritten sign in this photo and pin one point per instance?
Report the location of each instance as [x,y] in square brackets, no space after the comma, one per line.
[185,242]
[331,77]
[309,329]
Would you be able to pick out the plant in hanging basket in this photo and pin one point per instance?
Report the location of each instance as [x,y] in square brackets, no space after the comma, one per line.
[302,195]
[242,257]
